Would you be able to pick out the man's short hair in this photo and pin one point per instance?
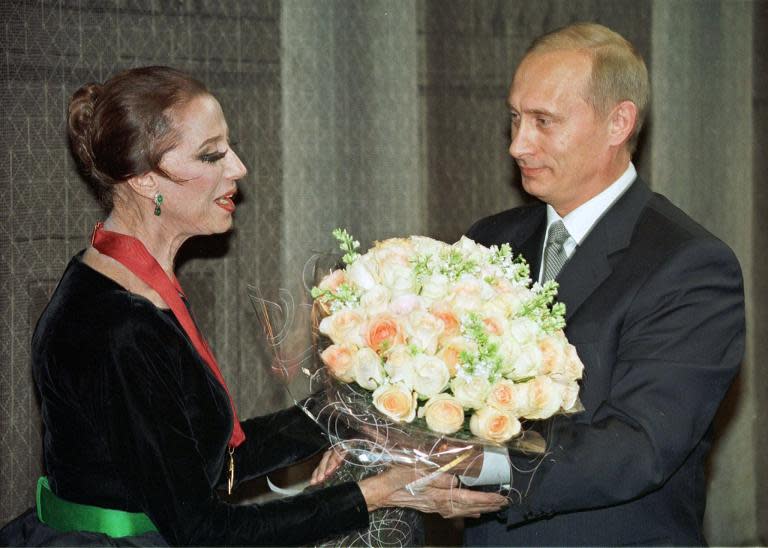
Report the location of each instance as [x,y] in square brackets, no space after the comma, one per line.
[618,70]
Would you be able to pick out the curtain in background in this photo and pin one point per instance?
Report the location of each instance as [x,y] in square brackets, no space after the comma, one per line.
[381,116]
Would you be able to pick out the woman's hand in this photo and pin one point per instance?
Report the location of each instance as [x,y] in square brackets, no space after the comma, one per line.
[331,461]
[441,495]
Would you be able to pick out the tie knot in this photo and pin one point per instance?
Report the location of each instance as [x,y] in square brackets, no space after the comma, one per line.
[557,233]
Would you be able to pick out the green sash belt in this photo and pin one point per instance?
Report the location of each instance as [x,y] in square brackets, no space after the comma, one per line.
[71,516]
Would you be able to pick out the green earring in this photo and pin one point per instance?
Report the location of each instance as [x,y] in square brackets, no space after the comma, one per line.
[158,201]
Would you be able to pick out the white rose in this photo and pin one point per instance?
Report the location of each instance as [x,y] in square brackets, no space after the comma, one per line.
[523,330]
[423,330]
[571,396]
[399,279]
[393,258]
[472,250]
[443,413]
[511,297]
[344,327]
[471,391]
[369,373]
[423,245]
[375,300]
[396,402]
[399,366]
[363,272]
[494,424]
[435,287]
[405,304]
[574,369]
[519,361]
[431,375]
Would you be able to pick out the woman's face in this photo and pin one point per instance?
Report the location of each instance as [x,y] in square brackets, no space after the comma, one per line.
[205,169]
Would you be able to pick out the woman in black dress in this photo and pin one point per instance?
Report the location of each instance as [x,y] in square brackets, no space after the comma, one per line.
[140,430]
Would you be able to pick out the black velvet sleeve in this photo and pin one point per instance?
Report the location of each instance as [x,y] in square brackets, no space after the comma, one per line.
[164,429]
[275,441]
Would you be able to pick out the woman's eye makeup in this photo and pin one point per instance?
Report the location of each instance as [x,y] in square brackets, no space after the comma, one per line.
[212,157]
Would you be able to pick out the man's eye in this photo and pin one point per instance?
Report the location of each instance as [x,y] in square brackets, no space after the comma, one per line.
[212,157]
[544,122]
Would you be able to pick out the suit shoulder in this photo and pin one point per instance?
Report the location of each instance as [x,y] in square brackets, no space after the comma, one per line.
[488,228]
[666,227]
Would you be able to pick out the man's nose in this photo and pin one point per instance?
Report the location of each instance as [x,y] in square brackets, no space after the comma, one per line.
[521,141]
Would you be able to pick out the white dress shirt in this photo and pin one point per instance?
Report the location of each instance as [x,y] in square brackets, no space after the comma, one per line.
[579,222]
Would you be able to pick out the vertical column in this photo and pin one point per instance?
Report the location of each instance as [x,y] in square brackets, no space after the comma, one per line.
[702,160]
[349,126]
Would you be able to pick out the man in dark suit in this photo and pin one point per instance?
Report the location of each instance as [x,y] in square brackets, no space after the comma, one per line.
[655,308]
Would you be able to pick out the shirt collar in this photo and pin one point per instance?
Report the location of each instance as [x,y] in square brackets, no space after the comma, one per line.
[580,221]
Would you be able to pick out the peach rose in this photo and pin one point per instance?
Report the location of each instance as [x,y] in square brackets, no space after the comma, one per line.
[544,397]
[451,323]
[494,424]
[443,414]
[396,402]
[332,281]
[451,350]
[383,332]
[467,295]
[344,327]
[338,359]
[504,395]
[553,355]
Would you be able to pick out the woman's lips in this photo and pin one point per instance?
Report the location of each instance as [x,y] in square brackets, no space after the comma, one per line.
[225,202]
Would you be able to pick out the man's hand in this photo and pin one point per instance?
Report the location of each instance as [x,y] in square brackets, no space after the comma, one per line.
[445,497]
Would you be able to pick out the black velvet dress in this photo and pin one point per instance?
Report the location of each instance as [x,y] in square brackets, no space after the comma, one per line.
[134,420]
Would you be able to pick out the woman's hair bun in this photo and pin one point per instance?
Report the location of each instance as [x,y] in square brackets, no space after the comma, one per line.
[80,122]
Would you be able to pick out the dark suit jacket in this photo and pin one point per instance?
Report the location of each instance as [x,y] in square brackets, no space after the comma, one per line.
[655,308]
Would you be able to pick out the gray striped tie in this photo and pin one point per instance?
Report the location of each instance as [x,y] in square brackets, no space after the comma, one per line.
[554,254]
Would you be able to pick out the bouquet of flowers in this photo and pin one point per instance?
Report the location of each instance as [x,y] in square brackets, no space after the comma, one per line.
[454,338]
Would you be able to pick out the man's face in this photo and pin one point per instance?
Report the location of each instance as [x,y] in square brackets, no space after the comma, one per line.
[558,141]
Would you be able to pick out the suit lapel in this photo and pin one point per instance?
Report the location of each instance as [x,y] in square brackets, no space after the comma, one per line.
[589,266]
[530,248]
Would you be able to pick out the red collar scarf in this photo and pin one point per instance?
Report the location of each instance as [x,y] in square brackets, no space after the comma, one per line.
[132,254]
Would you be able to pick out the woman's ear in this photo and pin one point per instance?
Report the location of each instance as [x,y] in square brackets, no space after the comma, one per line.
[622,121]
[145,185]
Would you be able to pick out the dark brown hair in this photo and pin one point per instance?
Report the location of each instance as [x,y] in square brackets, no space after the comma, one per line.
[123,127]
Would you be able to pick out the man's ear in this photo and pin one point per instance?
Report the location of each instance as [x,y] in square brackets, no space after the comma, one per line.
[145,185]
[622,121]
